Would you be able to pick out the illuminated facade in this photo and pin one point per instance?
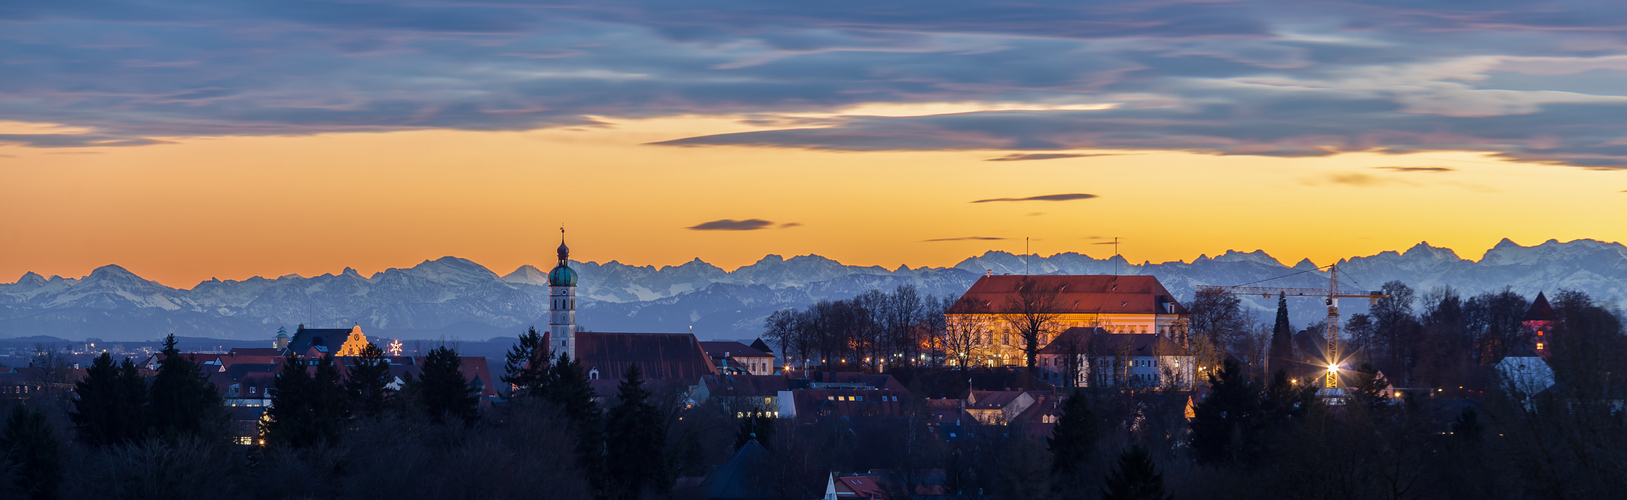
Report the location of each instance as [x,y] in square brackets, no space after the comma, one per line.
[991,309]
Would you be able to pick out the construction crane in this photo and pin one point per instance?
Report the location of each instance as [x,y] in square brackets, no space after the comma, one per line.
[1332,295]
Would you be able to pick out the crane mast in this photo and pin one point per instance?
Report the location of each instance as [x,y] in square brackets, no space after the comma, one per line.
[1331,295]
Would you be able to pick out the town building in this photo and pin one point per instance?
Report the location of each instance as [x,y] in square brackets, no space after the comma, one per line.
[1094,357]
[990,309]
[667,357]
[735,358]
[1539,323]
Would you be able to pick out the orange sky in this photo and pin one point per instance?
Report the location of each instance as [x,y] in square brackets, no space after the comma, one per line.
[236,207]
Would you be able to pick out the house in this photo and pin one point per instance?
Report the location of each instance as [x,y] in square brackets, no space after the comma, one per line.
[736,358]
[997,407]
[1095,357]
[741,394]
[812,404]
[1115,304]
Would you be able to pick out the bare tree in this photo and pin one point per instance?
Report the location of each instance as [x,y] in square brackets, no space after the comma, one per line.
[963,336]
[1032,313]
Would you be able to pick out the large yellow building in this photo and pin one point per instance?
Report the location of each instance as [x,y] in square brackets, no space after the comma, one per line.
[987,315]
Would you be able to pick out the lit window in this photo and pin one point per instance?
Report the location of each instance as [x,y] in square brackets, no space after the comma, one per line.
[1539,346]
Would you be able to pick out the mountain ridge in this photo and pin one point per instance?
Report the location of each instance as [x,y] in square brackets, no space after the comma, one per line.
[458,298]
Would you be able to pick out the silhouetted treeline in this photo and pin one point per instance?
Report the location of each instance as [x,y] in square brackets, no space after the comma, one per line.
[871,332]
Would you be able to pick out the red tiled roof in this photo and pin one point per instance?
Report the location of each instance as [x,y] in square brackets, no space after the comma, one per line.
[658,355]
[1076,294]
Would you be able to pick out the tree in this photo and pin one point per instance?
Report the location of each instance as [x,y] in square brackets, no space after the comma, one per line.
[634,436]
[1216,317]
[367,382]
[1369,390]
[182,402]
[1032,312]
[444,391]
[1073,441]
[108,404]
[1394,326]
[306,410]
[1223,423]
[1282,337]
[525,368]
[29,444]
[754,427]
[1135,478]
[575,397]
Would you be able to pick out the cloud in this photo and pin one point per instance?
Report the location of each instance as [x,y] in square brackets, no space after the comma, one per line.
[1524,81]
[732,225]
[968,238]
[1042,156]
[1046,197]
[790,224]
[76,140]
[1034,214]
[1417,169]
[1358,180]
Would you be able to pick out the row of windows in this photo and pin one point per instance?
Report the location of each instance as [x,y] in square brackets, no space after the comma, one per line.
[857,398]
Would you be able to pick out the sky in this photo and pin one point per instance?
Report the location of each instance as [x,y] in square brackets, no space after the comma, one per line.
[232,139]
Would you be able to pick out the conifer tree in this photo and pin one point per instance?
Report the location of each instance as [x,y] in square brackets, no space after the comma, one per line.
[289,420]
[367,382]
[1135,478]
[28,445]
[108,404]
[443,390]
[634,438]
[181,401]
[1229,410]
[1282,336]
[525,368]
[574,395]
[1073,441]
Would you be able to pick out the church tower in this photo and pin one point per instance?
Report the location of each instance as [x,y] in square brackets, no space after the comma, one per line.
[562,303]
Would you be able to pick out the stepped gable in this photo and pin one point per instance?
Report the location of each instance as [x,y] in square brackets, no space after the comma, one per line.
[1540,310]
[659,355]
[1077,294]
[326,340]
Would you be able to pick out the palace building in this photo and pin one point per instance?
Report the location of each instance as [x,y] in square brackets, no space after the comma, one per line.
[990,310]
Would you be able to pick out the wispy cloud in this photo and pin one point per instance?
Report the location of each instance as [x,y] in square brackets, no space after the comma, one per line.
[968,238]
[1045,197]
[1043,156]
[790,224]
[1417,169]
[733,225]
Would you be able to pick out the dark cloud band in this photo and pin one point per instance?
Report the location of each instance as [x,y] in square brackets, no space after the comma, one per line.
[1047,197]
[733,225]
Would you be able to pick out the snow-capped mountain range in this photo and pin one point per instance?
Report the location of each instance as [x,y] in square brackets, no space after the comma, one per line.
[458,299]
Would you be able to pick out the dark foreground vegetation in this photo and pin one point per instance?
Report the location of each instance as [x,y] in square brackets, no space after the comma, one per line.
[1253,434]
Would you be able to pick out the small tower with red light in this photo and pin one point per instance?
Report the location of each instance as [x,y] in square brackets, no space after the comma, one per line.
[1539,325]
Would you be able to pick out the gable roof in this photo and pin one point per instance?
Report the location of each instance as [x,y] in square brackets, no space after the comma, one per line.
[1098,342]
[658,355]
[734,350]
[762,346]
[330,339]
[1076,294]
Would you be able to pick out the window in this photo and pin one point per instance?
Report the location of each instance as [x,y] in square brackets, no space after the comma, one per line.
[1539,346]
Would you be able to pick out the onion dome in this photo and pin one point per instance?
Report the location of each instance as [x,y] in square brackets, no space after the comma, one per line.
[562,275]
